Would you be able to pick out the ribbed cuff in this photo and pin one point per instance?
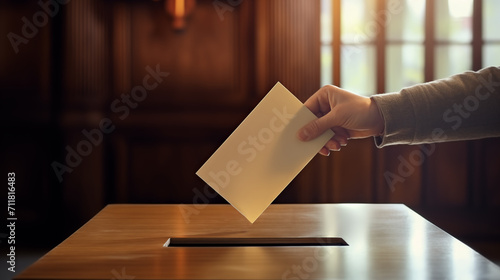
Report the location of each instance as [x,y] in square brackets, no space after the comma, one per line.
[399,119]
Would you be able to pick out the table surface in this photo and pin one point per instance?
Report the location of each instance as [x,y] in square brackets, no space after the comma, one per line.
[385,241]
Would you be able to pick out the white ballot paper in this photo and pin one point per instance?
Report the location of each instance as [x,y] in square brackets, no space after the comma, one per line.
[262,156]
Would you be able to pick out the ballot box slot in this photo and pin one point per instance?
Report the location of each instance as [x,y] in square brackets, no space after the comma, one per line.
[253,241]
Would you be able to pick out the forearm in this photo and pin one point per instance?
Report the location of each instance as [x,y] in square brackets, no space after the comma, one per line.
[464,106]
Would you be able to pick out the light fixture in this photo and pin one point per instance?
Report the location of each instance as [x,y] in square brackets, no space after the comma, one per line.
[179,10]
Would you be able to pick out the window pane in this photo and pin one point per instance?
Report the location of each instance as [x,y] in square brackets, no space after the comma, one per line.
[491,19]
[491,55]
[358,69]
[404,66]
[326,65]
[452,59]
[358,22]
[454,20]
[406,22]
[326,21]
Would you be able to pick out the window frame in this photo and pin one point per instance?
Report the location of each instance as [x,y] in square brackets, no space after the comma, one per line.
[381,43]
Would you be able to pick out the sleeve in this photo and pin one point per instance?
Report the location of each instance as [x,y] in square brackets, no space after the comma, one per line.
[462,107]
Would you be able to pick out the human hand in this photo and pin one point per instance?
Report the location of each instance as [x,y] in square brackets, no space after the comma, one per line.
[347,114]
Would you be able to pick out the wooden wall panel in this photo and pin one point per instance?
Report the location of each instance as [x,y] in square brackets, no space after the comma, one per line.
[399,181]
[24,152]
[489,177]
[287,46]
[286,50]
[352,172]
[121,48]
[160,168]
[161,144]
[447,176]
[86,56]
[24,75]
[83,190]
[85,86]
[153,179]
[207,61]
[26,143]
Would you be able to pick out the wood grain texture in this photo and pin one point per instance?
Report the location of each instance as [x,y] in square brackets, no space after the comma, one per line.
[386,241]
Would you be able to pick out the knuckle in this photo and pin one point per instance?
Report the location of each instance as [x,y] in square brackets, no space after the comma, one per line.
[329,88]
[314,127]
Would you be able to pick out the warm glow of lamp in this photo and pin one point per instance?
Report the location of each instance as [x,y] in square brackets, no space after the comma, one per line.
[179,10]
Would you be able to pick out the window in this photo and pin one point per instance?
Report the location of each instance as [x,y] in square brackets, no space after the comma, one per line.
[370,46]
[491,34]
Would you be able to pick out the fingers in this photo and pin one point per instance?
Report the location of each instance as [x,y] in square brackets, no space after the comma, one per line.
[309,131]
[324,152]
[334,144]
[331,145]
[341,135]
[314,103]
[314,129]
[319,102]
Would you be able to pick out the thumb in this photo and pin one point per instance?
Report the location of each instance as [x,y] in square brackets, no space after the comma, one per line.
[313,129]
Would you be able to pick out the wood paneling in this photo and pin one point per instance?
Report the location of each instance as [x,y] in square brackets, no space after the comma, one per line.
[26,143]
[352,176]
[399,178]
[489,175]
[447,175]
[287,50]
[154,179]
[85,85]
[208,62]
[206,94]
[86,50]
[24,76]
[288,46]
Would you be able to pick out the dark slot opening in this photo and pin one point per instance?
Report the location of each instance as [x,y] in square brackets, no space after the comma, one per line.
[253,241]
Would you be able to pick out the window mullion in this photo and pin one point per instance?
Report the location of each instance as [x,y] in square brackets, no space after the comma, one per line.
[336,44]
[429,45]
[477,35]
[380,45]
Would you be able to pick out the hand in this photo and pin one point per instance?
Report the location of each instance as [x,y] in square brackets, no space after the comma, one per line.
[349,116]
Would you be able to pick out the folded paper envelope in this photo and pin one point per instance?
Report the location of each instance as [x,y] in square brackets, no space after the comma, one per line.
[262,156]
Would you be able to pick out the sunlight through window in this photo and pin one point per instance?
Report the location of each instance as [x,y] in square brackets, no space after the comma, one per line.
[384,50]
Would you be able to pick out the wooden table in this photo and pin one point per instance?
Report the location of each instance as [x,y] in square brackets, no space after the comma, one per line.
[385,241]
